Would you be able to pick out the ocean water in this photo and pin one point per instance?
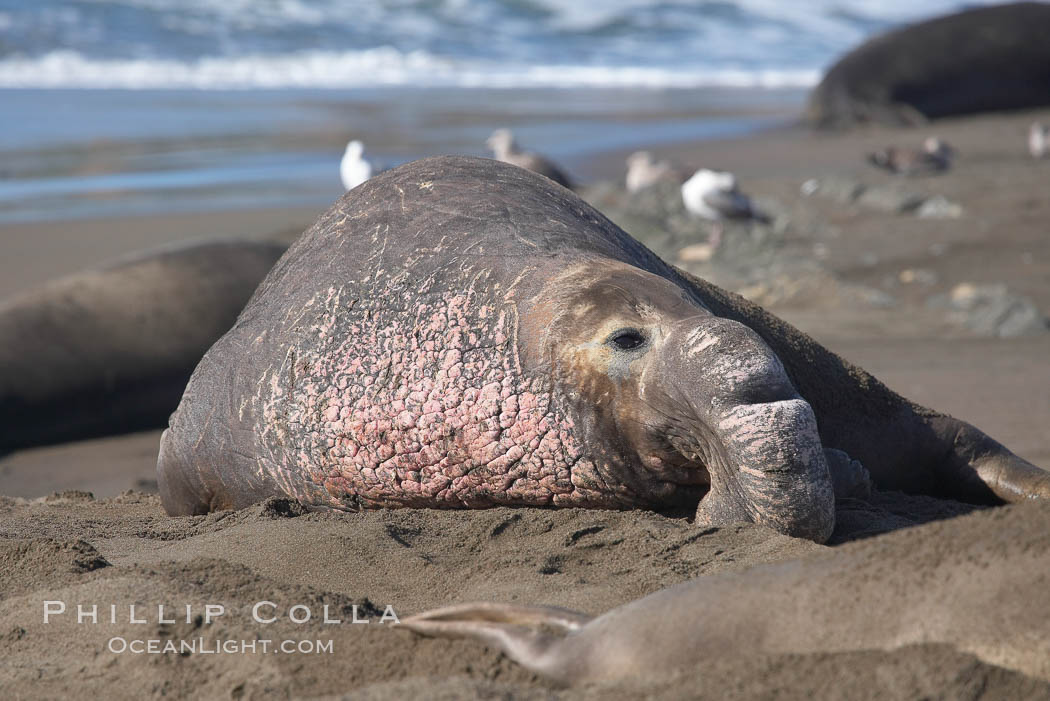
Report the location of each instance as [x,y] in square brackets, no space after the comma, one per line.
[435,43]
[110,106]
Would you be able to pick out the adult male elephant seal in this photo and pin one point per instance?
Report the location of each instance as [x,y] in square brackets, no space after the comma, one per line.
[979,583]
[110,350]
[459,332]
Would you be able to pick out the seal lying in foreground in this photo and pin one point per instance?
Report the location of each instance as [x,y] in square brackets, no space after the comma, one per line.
[110,350]
[459,332]
[978,583]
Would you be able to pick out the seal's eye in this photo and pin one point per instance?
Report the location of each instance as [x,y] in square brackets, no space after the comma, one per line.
[627,339]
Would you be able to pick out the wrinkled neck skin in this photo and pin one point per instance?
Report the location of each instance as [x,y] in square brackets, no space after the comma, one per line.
[679,405]
[599,386]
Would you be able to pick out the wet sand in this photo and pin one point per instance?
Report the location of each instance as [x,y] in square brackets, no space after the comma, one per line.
[119,548]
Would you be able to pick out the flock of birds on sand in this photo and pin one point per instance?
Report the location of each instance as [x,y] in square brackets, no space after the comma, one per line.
[709,194]
[936,155]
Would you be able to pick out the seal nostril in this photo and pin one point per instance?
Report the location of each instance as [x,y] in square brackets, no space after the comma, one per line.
[627,339]
[765,388]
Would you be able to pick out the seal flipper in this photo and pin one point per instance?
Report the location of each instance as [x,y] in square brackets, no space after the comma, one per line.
[529,635]
[848,477]
[181,488]
[979,466]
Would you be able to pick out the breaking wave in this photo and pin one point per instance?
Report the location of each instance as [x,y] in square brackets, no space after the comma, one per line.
[467,43]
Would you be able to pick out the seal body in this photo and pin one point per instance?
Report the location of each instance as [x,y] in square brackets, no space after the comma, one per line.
[459,332]
[110,350]
[977,583]
[979,60]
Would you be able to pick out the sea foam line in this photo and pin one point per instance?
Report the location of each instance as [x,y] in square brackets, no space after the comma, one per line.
[378,67]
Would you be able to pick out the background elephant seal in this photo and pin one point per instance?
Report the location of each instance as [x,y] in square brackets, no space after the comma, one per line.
[980,60]
[979,583]
[110,350]
[459,332]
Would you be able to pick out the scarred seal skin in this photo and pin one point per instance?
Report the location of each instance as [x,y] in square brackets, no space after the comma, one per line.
[458,332]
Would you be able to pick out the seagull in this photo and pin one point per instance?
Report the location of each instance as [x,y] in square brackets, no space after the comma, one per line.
[505,149]
[714,195]
[934,156]
[354,169]
[1039,140]
[643,173]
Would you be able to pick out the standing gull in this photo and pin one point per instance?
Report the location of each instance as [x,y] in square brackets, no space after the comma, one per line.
[1039,140]
[505,148]
[934,156]
[354,169]
[643,172]
[715,195]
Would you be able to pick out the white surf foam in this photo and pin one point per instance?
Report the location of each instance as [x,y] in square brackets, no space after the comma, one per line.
[381,67]
[336,44]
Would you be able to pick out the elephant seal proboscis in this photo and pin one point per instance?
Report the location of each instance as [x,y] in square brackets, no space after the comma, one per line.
[459,332]
[110,350]
[979,583]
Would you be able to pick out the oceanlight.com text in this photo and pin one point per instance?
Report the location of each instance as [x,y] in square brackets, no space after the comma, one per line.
[200,646]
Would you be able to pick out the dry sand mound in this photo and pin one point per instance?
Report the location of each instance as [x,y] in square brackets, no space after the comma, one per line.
[123,551]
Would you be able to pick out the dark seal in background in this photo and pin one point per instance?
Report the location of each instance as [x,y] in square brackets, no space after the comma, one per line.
[981,60]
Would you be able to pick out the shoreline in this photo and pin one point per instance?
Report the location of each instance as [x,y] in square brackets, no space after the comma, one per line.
[183,151]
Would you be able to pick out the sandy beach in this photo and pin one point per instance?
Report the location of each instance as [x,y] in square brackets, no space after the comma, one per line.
[81,524]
